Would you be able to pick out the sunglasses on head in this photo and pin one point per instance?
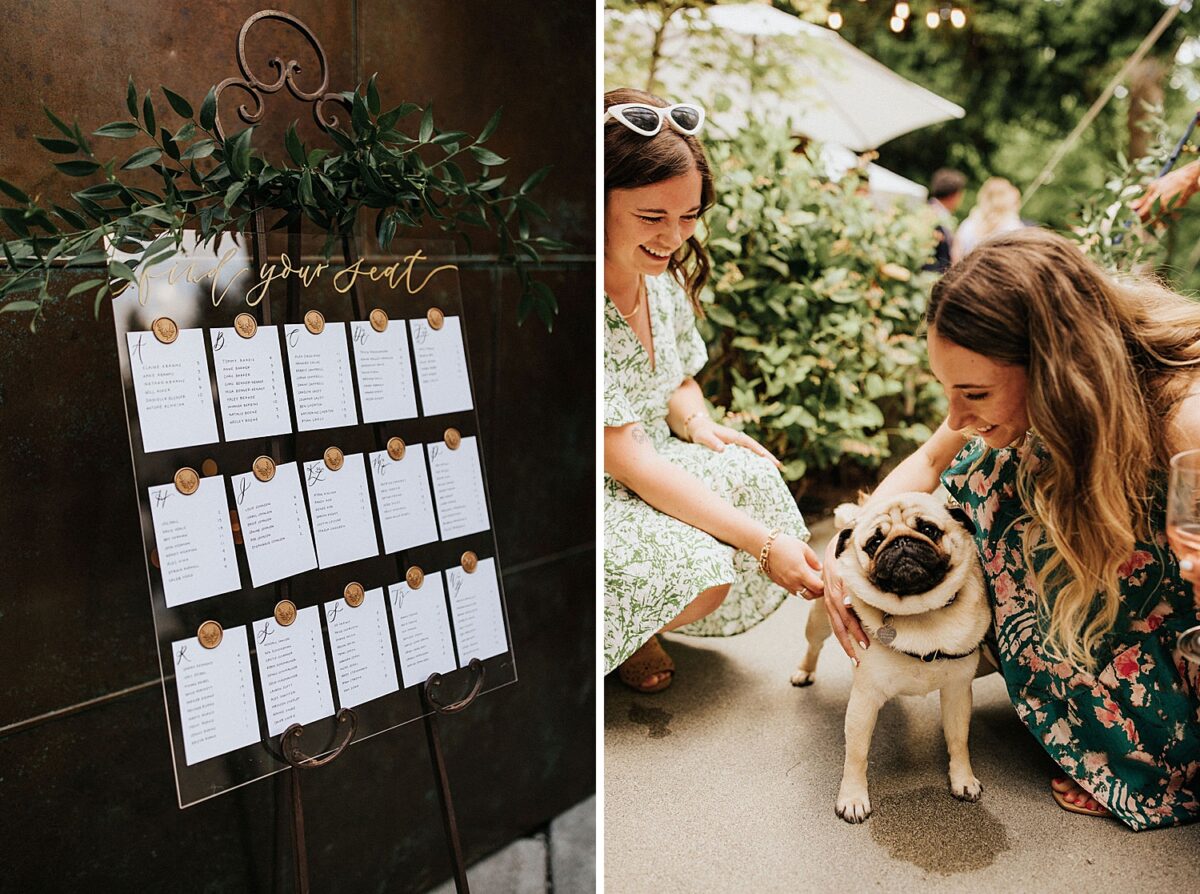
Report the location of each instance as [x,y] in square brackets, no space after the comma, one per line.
[647,120]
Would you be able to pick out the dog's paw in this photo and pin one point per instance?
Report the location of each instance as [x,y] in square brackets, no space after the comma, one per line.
[803,678]
[853,808]
[968,789]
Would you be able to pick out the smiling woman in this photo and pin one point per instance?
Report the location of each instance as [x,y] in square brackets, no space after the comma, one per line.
[700,532]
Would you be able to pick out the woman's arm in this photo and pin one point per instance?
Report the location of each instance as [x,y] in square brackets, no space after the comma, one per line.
[921,471]
[687,403]
[630,458]
[1183,433]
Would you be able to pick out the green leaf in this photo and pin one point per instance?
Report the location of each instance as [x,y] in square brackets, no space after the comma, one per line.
[100,293]
[487,156]
[168,144]
[534,179]
[78,168]
[89,259]
[494,183]
[120,270]
[426,124]
[389,118]
[237,152]
[70,217]
[62,147]
[199,149]
[314,157]
[208,109]
[490,127]
[358,114]
[57,122]
[294,147]
[373,95]
[118,130]
[143,158]
[182,107]
[85,285]
[234,191]
[131,98]
[185,133]
[13,193]
[148,113]
[159,214]
[16,306]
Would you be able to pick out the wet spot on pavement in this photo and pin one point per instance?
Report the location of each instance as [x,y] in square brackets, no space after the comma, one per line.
[932,830]
[654,718]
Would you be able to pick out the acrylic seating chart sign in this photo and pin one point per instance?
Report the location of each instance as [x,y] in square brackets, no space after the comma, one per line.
[313,497]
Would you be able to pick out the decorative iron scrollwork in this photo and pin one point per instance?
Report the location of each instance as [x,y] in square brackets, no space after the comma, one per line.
[287,72]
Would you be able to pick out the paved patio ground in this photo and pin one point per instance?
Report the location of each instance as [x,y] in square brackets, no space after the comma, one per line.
[726,782]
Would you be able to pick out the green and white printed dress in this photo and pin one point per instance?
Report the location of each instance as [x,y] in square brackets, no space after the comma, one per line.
[654,565]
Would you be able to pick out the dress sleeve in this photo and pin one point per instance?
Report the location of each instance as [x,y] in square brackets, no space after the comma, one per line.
[693,353]
[618,406]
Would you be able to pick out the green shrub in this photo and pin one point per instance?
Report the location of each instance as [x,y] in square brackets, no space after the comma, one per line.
[815,303]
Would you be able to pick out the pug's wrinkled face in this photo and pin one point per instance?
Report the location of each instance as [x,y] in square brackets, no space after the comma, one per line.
[907,547]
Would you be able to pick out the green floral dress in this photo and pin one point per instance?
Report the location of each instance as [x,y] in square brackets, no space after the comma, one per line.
[1130,733]
[654,565]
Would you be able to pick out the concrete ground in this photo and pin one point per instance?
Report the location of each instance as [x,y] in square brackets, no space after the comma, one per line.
[559,860]
[726,782]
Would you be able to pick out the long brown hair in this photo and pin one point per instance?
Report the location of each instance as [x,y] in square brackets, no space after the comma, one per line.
[1101,356]
[632,160]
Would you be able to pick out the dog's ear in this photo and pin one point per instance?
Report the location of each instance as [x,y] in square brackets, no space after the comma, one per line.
[846,515]
[843,536]
[960,515]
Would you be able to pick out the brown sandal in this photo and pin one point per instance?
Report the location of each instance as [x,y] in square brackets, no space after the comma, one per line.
[650,660]
[1061,785]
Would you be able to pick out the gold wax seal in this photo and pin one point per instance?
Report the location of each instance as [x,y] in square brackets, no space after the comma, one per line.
[379,320]
[285,612]
[395,448]
[246,325]
[414,577]
[453,438]
[314,321]
[210,634]
[355,594]
[165,330]
[469,561]
[187,481]
[334,458]
[435,317]
[209,468]
[264,468]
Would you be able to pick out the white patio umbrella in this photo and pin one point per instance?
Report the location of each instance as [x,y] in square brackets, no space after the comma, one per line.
[803,74]
[885,187]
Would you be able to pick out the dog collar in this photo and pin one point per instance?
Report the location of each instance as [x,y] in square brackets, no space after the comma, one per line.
[886,634]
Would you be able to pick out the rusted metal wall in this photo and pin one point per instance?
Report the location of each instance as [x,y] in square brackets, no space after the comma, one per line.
[86,788]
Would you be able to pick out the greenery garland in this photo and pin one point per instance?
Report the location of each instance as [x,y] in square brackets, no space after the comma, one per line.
[216,186]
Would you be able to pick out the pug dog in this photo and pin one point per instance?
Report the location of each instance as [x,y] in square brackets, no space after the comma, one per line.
[911,569]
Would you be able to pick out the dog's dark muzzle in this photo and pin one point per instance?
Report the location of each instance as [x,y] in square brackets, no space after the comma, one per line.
[908,566]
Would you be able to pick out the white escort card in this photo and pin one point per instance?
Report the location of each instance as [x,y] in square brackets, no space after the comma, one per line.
[441,366]
[274,525]
[321,387]
[385,379]
[402,494]
[194,541]
[478,615]
[254,401]
[291,665]
[174,399]
[342,521]
[216,696]
[362,650]
[458,486]
[422,630]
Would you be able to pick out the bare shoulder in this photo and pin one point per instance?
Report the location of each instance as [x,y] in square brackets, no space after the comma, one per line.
[1183,428]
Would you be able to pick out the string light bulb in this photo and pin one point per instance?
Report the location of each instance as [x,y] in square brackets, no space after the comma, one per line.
[933,18]
[902,10]
[958,18]
[896,24]
[835,20]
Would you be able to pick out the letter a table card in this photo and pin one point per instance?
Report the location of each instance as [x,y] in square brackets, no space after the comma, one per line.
[312,524]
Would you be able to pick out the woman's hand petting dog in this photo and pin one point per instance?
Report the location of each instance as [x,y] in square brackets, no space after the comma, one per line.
[845,623]
[795,567]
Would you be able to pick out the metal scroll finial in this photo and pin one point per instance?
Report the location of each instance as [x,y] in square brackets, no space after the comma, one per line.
[287,76]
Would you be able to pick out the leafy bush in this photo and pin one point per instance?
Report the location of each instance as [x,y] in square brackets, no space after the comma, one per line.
[815,305]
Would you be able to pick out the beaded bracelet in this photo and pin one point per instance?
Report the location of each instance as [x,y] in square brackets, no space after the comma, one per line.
[764,554]
[687,423]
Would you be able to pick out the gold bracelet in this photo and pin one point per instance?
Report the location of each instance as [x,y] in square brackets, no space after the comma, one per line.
[764,554]
[687,423]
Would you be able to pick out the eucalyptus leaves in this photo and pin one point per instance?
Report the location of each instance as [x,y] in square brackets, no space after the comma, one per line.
[216,185]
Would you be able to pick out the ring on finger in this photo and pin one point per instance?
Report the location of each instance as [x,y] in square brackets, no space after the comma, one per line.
[802,592]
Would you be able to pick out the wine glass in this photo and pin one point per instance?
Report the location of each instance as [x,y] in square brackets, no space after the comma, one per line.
[1183,528]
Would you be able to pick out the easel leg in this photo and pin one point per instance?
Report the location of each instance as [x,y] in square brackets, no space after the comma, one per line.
[298,835]
[449,821]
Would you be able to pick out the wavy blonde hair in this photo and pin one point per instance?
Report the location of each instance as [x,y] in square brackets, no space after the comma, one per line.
[998,203]
[1106,361]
